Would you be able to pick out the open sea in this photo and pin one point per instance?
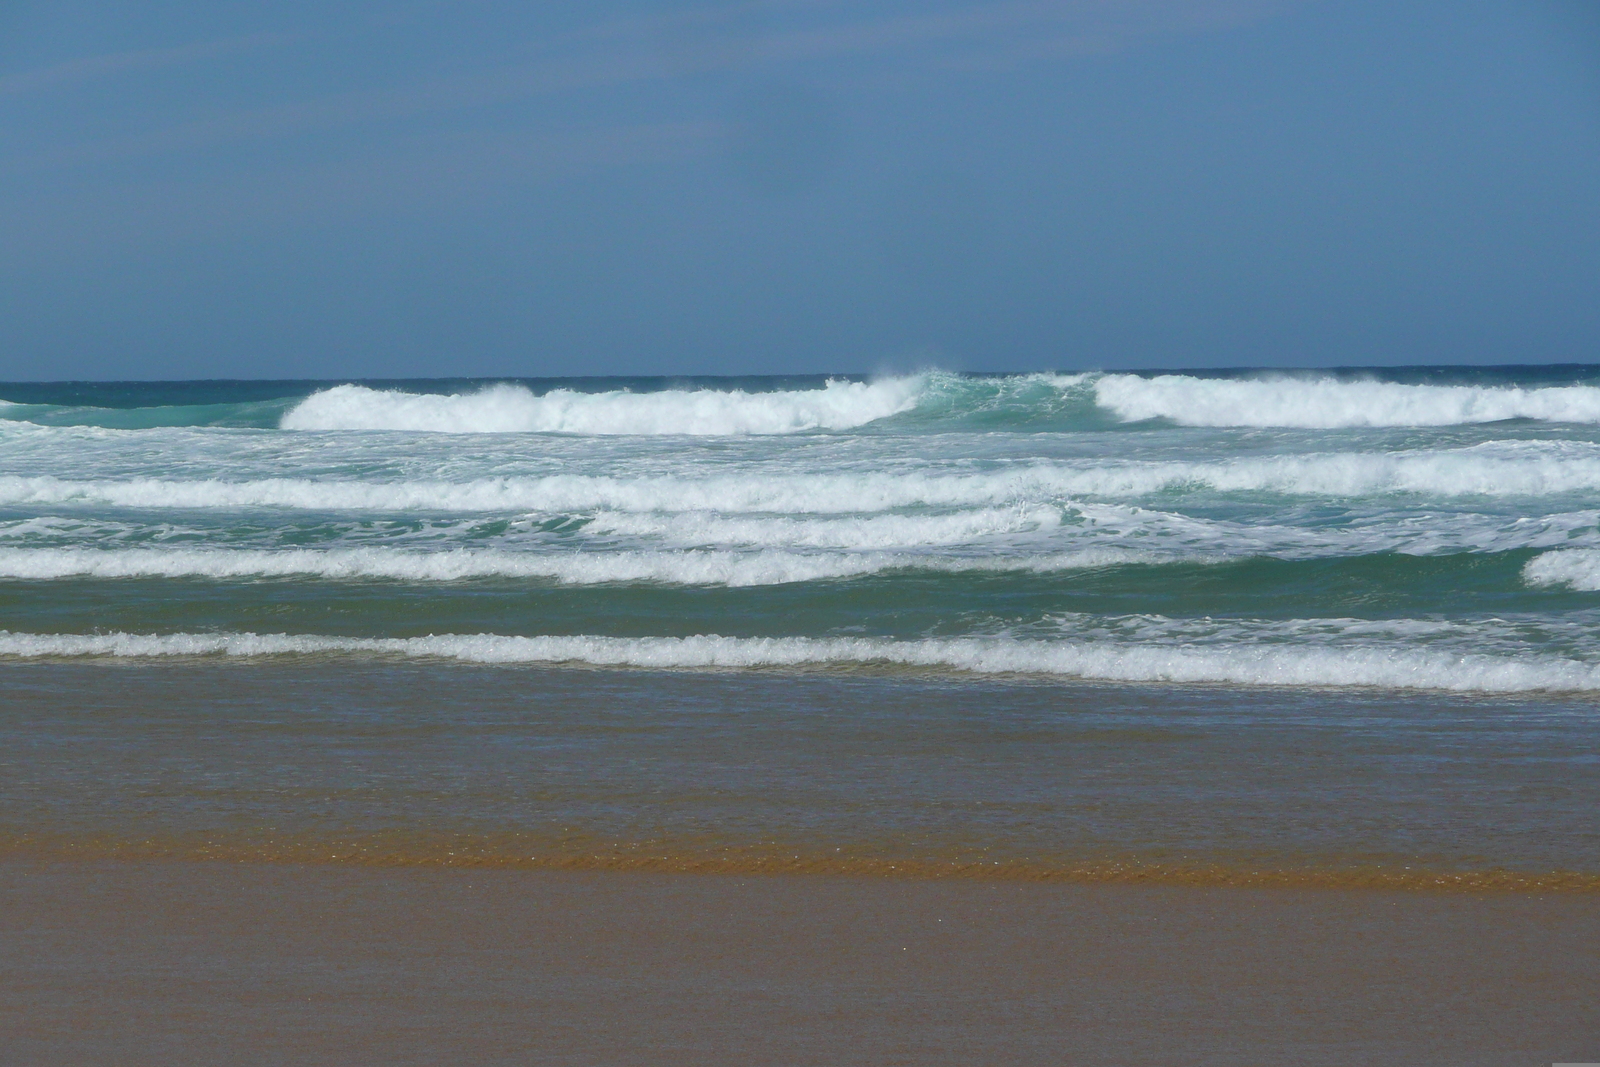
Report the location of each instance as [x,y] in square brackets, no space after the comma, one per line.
[1228,626]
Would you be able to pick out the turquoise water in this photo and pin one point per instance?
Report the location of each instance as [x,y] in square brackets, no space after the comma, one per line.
[1413,528]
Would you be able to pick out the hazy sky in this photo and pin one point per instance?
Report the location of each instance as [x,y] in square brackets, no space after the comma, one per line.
[228,189]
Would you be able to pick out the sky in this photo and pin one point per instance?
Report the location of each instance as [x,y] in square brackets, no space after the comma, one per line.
[346,189]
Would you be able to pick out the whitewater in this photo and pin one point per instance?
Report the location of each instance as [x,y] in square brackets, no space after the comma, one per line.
[1366,665]
[1408,528]
[1308,403]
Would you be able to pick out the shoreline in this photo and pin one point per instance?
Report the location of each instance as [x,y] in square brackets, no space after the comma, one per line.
[989,781]
[883,670]
[746,862]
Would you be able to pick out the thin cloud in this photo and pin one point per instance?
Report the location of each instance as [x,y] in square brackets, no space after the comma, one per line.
[425,169]
[1008,27]
[91,68]
[727,38]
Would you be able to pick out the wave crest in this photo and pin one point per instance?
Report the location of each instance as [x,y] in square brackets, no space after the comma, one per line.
[1575,568]
[1330,403]
[694,567]
[838,405]
[933,400]
[1260,665]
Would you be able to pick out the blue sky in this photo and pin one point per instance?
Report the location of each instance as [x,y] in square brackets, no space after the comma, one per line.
[414,189]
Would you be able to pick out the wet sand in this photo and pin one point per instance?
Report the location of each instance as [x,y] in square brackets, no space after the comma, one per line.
[131,963]
[844,774]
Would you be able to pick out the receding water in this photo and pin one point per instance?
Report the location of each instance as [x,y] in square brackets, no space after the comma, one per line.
[413,763]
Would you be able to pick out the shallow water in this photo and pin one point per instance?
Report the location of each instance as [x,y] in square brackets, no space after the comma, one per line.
[406,763]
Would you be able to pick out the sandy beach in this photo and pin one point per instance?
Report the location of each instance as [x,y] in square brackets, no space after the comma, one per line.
[136,963]
[708,533]
[343,863]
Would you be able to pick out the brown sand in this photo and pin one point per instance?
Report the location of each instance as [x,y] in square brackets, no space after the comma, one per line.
[135,963]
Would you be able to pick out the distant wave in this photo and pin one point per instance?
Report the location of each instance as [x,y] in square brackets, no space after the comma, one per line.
[838,405]
[1291,402]
[1386,666]
[1329,403]
[922,402]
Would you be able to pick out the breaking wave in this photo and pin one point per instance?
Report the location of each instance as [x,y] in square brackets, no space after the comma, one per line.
[1385,666]
[1575,568]
[1290,402]
[1331,403]
[694,567]
[932,400]
[838,405]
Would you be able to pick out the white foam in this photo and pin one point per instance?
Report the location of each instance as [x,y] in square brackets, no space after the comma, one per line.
[694,567]
[1576,568]
[1327,403]
[1501,469]
[1016,400]
[982,525]
[838,405]
[1498,469]
[1256,665]
[770,492]
[699,548]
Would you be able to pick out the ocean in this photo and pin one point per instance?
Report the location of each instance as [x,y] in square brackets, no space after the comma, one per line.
[1213,625]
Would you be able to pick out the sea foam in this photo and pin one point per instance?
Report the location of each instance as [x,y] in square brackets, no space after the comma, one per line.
[1499,469]
[692,567]
[1255,665]
[940,400]
[1575,568]
[838,405]
[1329,403]
[1295,402]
